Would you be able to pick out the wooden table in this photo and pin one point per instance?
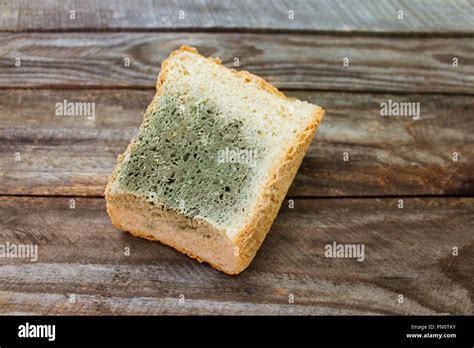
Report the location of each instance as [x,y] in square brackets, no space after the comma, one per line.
[53,170]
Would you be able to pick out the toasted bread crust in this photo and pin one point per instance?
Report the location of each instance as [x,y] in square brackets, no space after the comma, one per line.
[250,237]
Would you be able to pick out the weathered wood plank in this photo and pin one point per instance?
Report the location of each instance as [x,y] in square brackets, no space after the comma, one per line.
[387,155]
[425,16]
[397,64]
[407,251]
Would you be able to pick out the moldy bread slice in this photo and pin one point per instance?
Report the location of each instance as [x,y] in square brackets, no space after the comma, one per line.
[212,162]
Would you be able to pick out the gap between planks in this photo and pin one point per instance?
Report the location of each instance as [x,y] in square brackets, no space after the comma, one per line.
[243,30]
[418,196]
[284,90]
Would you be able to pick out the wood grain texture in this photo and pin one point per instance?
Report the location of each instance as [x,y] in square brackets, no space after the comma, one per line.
[425,16]
[387,155]
[407,251]
[391,64]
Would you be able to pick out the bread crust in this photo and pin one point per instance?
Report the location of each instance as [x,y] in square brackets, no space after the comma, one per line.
[249,239]
[119,217]
[244,75]
[251,236]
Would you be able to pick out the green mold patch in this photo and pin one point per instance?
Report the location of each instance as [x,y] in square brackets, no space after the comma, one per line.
[181,160]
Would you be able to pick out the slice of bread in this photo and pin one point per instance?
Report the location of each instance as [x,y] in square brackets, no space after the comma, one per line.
[212,162]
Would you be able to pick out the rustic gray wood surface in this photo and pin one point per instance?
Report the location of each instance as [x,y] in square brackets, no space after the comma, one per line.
[388,155]
[393,64]
[408,251]
[368,16]
[53,169]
